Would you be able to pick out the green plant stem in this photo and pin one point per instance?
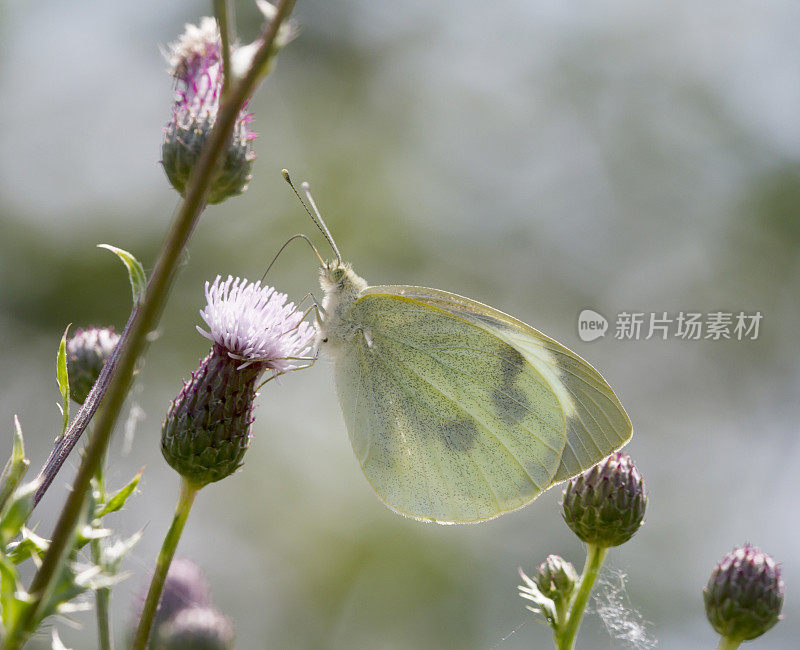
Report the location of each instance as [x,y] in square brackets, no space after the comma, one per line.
[145,627]
[144,321]
[103,595]
[222,13]
[565,637]
[726,643]
[562,611]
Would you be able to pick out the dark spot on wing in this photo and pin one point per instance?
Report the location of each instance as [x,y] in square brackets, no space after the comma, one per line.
[511,404]
[459,436]
[512,365]
[510,400]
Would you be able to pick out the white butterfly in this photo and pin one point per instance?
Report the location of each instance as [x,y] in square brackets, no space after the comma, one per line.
[456,411]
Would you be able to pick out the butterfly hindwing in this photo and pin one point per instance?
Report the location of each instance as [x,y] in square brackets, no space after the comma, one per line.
[451,418]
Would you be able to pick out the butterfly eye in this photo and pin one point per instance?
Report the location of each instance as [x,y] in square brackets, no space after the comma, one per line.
[337,274]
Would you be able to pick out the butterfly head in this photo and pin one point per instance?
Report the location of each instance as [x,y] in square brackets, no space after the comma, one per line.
[338,277]
[342,288]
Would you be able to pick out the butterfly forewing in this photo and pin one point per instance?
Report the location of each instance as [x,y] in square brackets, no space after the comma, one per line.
[450,421]
[597,424]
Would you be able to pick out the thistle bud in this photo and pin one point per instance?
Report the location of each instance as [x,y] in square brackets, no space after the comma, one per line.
[196,64]
[87,352]
[605,505]
[744,594]
[185,586]
[207,428]
[196,628]
[556,578]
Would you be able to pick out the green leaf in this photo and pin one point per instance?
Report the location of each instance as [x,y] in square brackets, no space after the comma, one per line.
[90,533]
[63,380]
[135,272]
[15,468]
[18,451]
[10,587]
[30,546]
[113,554]
[18,512]
[67,582]
[119,498]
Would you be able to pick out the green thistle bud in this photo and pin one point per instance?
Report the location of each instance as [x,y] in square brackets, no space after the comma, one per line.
[185,586]
[550,590]
[196,628]
[207,428]
[87,352]
[556,578]
[197,67]
[605,505]
[183,142]
[744,595]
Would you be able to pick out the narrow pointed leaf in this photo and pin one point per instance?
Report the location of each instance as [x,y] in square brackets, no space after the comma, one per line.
[113,554]
[63,380]
[30,546]
[18,450]
[15,468]
[118,499]
[135,272]
[17,513]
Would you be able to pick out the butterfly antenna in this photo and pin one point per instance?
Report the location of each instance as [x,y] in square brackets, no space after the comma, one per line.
[316,217]
[289,241]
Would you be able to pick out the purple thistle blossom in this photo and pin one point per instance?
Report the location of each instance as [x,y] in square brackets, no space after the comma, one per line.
[207,428]
[197,628]
[196,64]
[255,325]
[185,586]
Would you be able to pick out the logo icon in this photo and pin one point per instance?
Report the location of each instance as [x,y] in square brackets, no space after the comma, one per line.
[591,325]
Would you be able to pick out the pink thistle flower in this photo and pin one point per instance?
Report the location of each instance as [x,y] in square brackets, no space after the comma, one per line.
[254,330]
[255,325]
[196,64]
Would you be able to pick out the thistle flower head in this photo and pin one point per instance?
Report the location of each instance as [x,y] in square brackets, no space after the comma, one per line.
[255,324]
[87,352]
[185,587]
[207,428]
[550,589]
[605,505]
[556,578]
[196,64]
[194,58]
[197,628]
[744,595]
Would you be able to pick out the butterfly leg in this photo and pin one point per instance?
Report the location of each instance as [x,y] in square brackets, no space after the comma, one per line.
[316,304]
[311,361]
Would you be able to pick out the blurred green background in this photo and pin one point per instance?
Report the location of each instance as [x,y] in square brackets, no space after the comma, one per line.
[542,156]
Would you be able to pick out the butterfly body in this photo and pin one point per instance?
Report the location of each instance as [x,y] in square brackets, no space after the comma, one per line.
[456,411]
